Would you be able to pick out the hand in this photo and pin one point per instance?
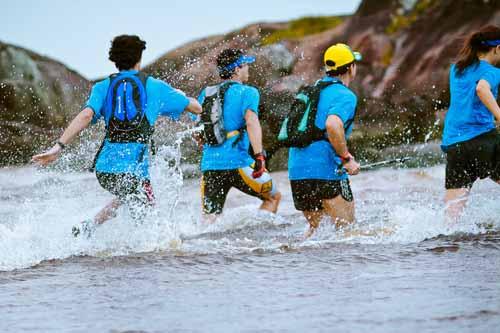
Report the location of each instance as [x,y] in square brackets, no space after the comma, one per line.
[260,165]
[352,167]
[48,157]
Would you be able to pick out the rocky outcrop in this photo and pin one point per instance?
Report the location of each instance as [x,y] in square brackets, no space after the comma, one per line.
[402,81]
[37,95]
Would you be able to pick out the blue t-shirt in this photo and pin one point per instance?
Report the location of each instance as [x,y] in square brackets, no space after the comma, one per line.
[162,100]
[238,99]
[467,116]
[319,160]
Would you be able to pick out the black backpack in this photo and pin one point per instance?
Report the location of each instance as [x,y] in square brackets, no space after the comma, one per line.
[214,132]
[298,129]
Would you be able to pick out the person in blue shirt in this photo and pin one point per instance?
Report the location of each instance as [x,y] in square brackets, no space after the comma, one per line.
[319,172]
[129,102]
[229,164]
[470,138]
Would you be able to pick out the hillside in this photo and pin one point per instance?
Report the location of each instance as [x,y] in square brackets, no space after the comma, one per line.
[402,81]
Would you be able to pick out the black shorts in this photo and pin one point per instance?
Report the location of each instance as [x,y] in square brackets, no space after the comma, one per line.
[215,185]
[308,194]
[127,187]
[469,160]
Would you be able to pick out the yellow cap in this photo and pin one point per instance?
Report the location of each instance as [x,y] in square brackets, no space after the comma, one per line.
[339,55]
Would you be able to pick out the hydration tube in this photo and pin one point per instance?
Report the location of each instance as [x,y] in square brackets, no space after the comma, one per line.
[400,160]
[370,166]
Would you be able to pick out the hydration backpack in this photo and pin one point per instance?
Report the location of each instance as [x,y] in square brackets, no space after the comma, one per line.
[298,129]
[212,119]
[125,109]
[125,112]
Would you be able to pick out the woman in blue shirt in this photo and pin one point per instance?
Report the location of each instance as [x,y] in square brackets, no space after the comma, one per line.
[470,138]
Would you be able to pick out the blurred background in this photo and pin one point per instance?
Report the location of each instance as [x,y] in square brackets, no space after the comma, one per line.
[51,52]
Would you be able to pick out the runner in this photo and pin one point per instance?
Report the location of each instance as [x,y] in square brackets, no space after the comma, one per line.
[226,162]
[129,102]
[318,172]
[470,140]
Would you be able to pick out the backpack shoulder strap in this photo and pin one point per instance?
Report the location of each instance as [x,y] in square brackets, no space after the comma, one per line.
[143,77]
[323,84]
[143,96]
[223,88]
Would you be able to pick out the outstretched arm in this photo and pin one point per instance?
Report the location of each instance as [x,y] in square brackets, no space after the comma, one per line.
[193,106]
[483,90]
[78,124]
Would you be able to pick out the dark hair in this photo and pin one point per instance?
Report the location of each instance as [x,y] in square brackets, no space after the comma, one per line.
[474,44]
[226,58]
[126,51]
[340,71]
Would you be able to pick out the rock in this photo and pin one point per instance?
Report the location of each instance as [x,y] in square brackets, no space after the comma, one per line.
[37,98]
[402,81]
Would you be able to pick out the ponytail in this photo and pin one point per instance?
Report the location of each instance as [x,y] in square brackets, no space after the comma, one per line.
[474,45]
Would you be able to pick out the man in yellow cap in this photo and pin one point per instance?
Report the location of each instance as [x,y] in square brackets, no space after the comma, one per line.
[319,172]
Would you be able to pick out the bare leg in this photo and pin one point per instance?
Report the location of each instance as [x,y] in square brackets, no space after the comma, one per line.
[455,201]
[340,210]
[313,218]
[108,212]
[87,227]
[271,203]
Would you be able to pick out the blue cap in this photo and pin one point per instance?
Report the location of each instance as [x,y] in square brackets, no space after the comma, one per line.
[493,42]
[244,59]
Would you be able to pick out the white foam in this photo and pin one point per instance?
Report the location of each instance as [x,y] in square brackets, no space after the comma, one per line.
[393,206]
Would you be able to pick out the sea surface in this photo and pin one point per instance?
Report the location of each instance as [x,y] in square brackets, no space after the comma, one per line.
[399,269]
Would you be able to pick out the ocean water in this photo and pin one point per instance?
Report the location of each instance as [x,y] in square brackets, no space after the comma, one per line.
[399,269]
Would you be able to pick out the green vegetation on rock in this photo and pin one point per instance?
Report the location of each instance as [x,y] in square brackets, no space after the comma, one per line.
[404,20]
[387,56]
[303,27]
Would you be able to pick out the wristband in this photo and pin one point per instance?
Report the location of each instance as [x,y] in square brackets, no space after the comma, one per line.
[260,156]
[346,158]
[60,144]
[262,153]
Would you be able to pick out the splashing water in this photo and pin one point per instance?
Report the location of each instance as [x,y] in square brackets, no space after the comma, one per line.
[399,266]
[39,207]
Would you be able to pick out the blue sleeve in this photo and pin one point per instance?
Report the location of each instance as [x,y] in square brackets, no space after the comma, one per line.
[343,106]
[97,98]
[251,98]
[492,76]
[201,99]
[172,101]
